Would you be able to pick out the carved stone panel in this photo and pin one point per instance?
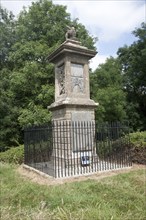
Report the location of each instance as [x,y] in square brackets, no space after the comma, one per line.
[77,78]
[61,79]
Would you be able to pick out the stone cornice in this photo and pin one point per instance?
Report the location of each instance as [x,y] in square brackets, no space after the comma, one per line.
[71,47]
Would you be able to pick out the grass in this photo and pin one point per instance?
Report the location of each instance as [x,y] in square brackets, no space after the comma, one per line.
[120,197]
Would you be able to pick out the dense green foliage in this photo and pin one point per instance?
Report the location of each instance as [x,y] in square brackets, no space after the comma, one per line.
[14,155]
[133,68]
[8,112]
[138,138]
[27,85]
[118,197]
[106,88]
[119,85]
[27,79]
[138,147]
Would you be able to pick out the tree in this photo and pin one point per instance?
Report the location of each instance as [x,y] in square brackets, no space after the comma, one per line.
[8,124]
[106,88]
[7,36]
[38,32]
[133,64]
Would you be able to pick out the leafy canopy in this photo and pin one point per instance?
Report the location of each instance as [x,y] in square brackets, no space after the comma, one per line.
[133,62]
[106,88]
[27,81]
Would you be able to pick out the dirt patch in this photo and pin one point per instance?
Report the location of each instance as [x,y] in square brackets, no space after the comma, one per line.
[47,180]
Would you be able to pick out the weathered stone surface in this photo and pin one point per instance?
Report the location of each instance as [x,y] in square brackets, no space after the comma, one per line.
[66,112]
[71,47]
[72,74]
[77,78]
[73,104]
[72,91]
[84,116]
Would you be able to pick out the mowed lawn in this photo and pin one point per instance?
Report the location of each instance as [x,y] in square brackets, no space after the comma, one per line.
[119,197]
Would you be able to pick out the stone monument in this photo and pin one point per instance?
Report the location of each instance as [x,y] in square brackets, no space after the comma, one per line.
[72,92]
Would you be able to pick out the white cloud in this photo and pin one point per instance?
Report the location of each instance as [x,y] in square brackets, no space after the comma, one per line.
[15,5]
[107,19]
[98,59]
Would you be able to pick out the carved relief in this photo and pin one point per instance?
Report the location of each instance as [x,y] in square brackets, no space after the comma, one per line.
[61,79]
[77,78]
[77,84]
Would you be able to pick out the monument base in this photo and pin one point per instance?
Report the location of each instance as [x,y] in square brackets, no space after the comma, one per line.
[72,111]
[74,134]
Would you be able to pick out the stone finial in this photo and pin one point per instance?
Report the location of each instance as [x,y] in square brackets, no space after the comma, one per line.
[71,33]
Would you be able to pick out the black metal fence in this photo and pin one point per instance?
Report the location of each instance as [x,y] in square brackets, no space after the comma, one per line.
[66,148]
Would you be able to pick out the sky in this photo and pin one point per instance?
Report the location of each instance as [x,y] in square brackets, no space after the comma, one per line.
[111,21]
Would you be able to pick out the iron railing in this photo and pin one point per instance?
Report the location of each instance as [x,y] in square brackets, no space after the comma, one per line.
[66,148]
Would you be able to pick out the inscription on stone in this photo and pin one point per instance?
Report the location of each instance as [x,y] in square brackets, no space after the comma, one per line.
[77,78]
[81,116]
[82,131]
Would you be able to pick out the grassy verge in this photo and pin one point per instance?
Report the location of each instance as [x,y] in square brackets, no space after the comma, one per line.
[120,197]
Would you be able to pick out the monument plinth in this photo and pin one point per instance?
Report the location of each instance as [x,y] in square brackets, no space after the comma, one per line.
[73,112]
[72,92]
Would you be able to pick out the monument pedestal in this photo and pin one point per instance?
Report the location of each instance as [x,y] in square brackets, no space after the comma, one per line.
[72,92]
[72,103]
[73,112]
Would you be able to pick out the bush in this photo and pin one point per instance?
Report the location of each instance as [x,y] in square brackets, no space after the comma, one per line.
[138,144]
[112,148]
[119,147]
[13,155]
[138,138]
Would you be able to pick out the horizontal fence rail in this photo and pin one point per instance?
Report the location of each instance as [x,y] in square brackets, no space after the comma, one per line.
[66,148]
